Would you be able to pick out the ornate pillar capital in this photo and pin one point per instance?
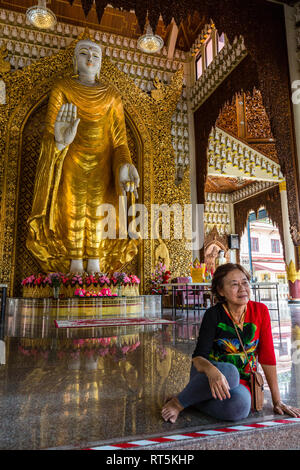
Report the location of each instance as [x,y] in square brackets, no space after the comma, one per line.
[282,186]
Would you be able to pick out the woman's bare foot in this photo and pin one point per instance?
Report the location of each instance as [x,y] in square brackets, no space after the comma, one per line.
[171,410]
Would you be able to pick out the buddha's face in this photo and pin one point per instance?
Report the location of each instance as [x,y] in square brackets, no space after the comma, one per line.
[88,56]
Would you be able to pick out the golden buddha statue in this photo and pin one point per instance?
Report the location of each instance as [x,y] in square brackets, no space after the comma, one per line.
[83,167]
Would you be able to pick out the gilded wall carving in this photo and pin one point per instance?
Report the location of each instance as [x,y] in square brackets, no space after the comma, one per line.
[149,119]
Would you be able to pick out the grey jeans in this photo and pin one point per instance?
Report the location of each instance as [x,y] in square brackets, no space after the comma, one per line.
[197,393]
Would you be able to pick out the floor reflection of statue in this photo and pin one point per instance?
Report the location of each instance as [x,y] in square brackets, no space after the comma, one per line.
[84,163]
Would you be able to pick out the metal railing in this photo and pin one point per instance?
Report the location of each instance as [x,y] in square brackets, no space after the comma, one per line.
[201,297]
[3,288]
[181,293]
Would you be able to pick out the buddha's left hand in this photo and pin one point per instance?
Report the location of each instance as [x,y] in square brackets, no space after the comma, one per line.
[129,179]
[281,408]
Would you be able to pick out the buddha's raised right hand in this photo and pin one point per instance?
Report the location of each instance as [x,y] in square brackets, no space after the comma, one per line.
[65,126]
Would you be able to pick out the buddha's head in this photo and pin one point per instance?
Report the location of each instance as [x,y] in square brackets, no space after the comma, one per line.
[87,58]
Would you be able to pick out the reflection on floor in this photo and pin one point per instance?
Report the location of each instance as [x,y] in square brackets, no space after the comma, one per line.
[75,388]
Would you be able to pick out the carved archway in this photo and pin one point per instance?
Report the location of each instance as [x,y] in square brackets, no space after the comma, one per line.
[264,68]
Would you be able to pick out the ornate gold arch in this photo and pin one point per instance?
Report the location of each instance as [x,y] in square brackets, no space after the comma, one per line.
[149,118]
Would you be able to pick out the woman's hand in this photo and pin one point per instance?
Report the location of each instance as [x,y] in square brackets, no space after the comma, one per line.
[280,409]
[218,384]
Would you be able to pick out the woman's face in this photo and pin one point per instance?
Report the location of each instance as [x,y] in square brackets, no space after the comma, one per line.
[236,288]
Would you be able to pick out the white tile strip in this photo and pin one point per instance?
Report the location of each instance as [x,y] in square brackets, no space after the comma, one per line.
[212,433]
[270,423]
[241,428]
[104,448]
[143,443]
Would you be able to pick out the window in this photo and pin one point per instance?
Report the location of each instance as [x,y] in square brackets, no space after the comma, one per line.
[221,42]
[199,69]
[207,48]
[275,246]
[254,244]
[209,52]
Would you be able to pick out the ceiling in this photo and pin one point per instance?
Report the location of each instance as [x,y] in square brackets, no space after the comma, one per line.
[129,16]
[113,20]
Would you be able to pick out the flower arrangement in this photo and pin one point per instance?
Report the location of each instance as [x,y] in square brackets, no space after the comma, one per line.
[29,281]
[84,293]
[134,279]
[161,275]
[58,279]
[62,285]
[120,279]
[77,279]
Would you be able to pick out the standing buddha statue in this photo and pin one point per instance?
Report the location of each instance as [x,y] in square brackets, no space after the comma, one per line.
[84,165]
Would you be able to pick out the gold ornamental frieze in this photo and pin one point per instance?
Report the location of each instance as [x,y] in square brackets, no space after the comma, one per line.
[147,116]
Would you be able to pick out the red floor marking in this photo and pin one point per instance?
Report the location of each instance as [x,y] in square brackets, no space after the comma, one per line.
[227,430]
[256,425]
[195,434]
[124,445]
[283,420]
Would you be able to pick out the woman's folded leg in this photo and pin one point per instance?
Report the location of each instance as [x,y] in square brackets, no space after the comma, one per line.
[198,390]
[236,407]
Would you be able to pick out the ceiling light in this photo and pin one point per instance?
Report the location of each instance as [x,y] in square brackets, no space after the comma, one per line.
[40,16]
[150,42]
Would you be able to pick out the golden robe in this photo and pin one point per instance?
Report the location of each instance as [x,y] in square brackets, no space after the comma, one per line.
[72,184]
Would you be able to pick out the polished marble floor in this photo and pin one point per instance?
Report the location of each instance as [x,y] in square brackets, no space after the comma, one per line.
[74,388]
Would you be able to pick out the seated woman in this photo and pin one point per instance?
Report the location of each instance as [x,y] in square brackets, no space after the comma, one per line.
[220,374]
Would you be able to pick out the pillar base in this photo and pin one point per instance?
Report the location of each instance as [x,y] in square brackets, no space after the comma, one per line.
[294,290]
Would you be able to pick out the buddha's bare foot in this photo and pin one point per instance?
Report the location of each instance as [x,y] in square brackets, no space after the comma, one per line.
[171,410]
[76,266]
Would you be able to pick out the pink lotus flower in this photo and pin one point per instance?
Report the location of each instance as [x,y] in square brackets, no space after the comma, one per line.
[79,292]
[134,279]
[104,280]
[104,341]
[106,292]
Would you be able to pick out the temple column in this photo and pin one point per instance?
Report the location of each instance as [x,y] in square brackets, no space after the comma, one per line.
[192,157]
[233,257]
[289,248]
[292,21]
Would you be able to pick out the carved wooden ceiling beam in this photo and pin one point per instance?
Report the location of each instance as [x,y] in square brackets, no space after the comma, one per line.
[168,9]
[177,9]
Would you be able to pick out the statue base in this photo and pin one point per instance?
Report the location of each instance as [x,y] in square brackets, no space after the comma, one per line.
[46,310]
[39,292]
